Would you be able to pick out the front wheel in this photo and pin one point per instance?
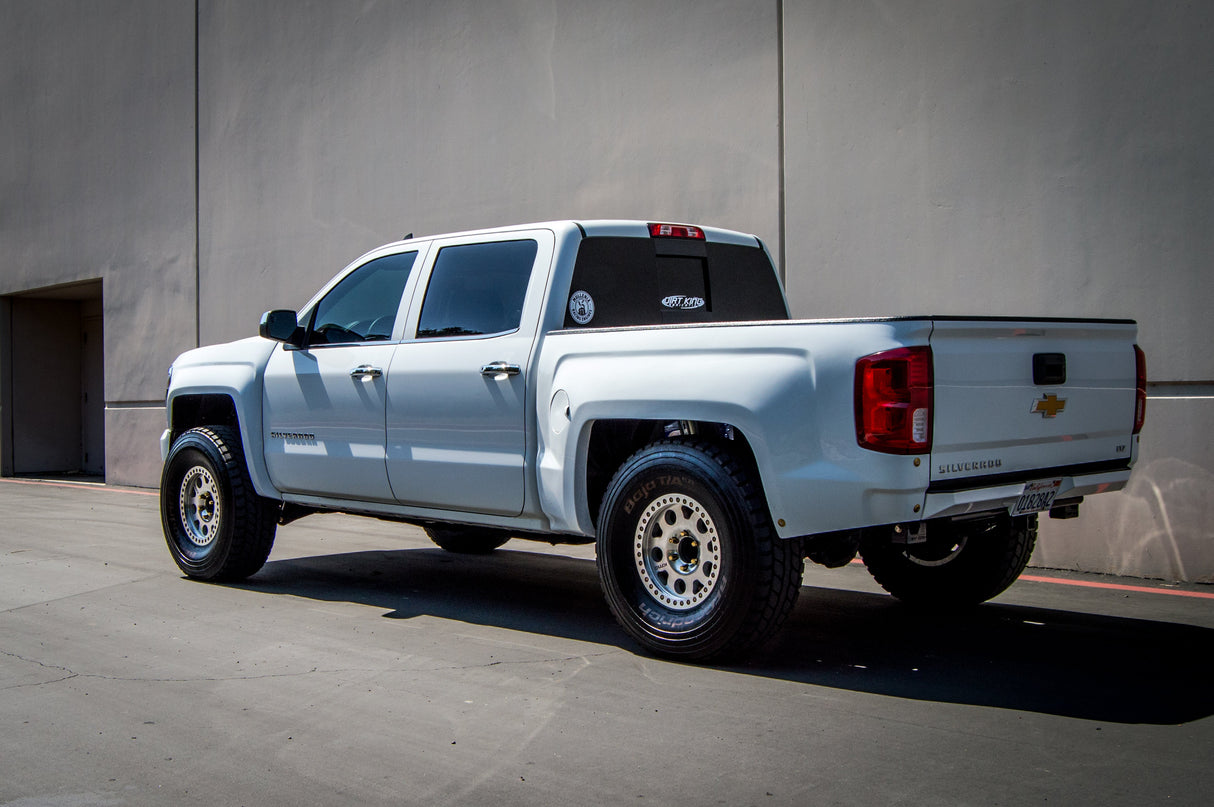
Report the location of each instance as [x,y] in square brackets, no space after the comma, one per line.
[961,563]
[215,524]
[689,564]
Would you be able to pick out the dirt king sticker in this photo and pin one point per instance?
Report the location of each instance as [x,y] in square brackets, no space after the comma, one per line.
[682,302]
[581,307]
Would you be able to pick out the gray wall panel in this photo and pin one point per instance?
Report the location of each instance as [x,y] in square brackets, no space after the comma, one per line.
[132,449]
[1160,525]
[1022,158]
[993,157]
[330,128]
[97,178]
[1004,157]
[97,169]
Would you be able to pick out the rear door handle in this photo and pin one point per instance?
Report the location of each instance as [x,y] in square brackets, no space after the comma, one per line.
[364,371]
[500,368]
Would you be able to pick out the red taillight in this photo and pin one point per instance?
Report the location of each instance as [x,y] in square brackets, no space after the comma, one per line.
[1140,391]
[675,231]
[894,401]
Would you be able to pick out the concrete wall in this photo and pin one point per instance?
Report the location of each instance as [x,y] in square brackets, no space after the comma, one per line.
[993,157]
[1009,157]
[331,128]
[97,181]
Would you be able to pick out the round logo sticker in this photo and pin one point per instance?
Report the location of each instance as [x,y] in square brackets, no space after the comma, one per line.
[581,307]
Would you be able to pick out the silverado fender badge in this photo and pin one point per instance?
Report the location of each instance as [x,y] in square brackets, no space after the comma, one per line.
[682,302]
[1048,406]
[581,307]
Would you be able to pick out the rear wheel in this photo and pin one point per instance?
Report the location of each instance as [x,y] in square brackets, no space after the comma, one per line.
[466,540]
[216,526]
[689,564]
[961,563]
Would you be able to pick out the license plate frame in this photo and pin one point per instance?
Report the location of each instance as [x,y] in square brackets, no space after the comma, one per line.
[1036,497]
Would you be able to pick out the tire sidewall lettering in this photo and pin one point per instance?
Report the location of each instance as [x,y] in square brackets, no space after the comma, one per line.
[660,483]
[646,486]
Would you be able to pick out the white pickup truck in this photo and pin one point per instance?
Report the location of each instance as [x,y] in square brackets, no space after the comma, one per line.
[641,386]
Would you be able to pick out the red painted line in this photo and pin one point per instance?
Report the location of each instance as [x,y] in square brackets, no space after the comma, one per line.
[1117,587]
[72,486]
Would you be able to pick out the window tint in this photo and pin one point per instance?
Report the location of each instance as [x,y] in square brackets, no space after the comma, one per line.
[363,306]
[477,289]
[621,281]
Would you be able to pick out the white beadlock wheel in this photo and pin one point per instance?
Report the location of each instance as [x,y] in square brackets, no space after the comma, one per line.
[199,506]
[687,558]
[215,524]
[678,553]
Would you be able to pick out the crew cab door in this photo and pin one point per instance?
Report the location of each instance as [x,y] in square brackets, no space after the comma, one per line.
[324,401]
[457,391]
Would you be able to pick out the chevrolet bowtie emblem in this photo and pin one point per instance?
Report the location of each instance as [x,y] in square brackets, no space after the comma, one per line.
[1049,406]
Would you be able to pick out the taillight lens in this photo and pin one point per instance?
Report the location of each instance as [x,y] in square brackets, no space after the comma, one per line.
[894,401]
[675,231]
[1140,392]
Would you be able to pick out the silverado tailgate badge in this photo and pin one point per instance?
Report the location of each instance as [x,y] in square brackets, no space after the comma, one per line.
[1048,406]
[682,302]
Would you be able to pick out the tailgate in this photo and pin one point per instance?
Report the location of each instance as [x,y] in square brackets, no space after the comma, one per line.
[1020,400]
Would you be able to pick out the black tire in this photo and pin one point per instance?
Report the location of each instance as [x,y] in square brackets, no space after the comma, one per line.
[466,540]
[215,524]
[961,564]
[687,557]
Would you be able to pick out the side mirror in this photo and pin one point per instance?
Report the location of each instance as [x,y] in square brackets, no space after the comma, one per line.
[281,326]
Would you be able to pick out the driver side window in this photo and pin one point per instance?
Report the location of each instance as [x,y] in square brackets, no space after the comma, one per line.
[363,306]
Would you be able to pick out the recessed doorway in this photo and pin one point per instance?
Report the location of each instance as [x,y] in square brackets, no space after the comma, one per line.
[54,385]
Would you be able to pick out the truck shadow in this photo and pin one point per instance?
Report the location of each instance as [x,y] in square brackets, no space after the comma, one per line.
[1093,667]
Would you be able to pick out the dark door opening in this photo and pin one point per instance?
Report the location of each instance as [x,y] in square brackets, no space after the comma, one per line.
[55,382]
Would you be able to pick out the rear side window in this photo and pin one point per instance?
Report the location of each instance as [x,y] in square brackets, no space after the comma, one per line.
[619,281]
[477,289]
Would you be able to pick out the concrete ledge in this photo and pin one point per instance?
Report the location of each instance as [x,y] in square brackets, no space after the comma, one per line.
[132,444]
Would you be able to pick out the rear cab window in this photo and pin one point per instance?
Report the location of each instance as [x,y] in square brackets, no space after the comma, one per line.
[621,281]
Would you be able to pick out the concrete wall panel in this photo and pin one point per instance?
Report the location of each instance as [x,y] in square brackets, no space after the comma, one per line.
[97,172]
[132,445]
[1023,158]
[992,157]
[1160,525]
[330,128]
[1004,157]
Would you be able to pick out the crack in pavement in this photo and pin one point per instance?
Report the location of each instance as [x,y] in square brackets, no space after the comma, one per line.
[71,674]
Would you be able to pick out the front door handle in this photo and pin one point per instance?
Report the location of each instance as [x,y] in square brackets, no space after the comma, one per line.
[500,369]
[365,371]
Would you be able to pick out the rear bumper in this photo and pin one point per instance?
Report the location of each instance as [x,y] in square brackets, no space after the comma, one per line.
[1004,496]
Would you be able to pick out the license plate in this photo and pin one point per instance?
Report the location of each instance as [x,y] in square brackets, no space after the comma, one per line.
[1037,496]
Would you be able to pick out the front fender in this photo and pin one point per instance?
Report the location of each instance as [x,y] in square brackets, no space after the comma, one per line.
[235,371]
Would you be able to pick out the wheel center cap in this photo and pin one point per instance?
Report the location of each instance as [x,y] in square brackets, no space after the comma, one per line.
[685,554]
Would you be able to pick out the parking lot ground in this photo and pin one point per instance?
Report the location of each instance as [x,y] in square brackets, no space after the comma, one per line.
[363,665]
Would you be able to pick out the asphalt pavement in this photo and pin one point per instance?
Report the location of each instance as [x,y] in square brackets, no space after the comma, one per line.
[363,665]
